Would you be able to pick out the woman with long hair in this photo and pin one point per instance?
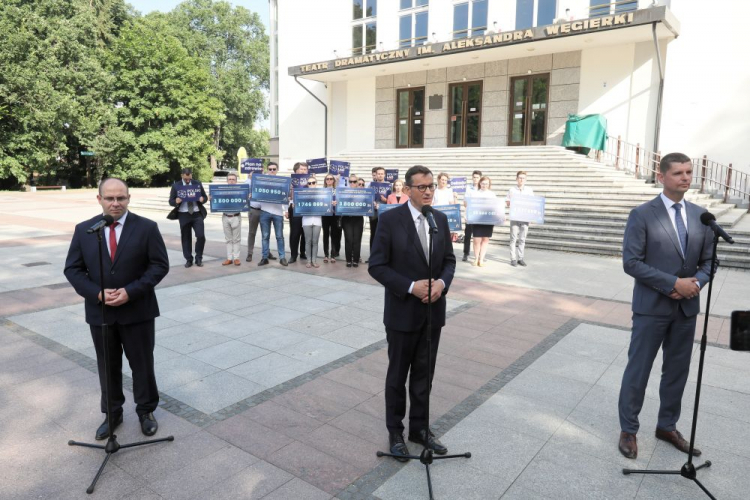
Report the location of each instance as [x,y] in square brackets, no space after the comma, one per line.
[311,225]
[482,232]
[397,194]
[331,226]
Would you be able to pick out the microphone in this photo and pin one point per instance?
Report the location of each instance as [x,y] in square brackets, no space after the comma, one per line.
[427,211]
[106,220]
[709,219]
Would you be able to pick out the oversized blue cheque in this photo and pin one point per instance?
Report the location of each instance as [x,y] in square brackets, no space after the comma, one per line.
[453,212]
[355,201]
[525,208]
[386,207]
[485,211]
[229,198]
[313,202]
[271,188]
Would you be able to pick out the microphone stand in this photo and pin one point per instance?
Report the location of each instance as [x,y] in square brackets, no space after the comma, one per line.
[427,456]
[112,445]
[688,470]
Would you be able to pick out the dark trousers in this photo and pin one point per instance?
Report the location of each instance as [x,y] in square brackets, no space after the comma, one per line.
[467,239]
[332,232]
[190,223]
[407,352]
[137,340]
[296,235]
[253,219]
[353,227]
[675,335]
[373,228]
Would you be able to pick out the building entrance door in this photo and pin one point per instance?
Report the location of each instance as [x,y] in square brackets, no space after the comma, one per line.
[464,114]
[410,118]
[529,96]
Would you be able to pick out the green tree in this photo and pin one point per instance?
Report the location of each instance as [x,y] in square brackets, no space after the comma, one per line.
[234,45]
[52,83]
[165,115]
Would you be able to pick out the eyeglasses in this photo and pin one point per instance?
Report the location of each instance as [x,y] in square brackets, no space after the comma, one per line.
[424,187]
[119,199]
[272,169]
[311,183]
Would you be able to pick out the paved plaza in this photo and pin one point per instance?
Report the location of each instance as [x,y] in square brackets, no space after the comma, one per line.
[271,379]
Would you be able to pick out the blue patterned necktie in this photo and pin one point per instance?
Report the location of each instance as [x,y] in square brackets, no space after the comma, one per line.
[680,224]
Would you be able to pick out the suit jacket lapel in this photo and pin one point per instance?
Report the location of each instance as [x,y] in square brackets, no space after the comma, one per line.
[127,230]
[663,217]
[411,231]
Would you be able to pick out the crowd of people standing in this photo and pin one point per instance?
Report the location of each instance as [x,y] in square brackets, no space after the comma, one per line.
[305,231]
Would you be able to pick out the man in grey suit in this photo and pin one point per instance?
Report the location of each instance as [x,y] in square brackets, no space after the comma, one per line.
[668,252]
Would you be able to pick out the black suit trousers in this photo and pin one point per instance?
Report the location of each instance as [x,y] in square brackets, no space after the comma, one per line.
[407,352]
[332,234]
[467,239]
[353,227]
[373,229]
[190,223]
[296,235]
[137,340]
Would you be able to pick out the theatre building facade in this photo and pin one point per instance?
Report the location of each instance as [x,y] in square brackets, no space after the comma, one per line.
[353,75]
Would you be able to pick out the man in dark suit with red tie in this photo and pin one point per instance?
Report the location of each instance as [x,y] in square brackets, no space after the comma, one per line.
[399,262]
[135,261]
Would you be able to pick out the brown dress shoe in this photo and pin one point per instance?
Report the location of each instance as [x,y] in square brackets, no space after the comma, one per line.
[628,445]
[237,262]
[226,262]
[679,442]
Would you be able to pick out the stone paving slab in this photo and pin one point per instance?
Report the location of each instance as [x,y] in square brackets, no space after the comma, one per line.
[550,434]
[313,429]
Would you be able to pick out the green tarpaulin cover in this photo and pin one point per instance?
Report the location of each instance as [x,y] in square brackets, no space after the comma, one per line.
[587,131]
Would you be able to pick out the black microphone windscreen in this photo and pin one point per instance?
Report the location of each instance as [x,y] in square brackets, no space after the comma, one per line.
[707,218]
[109,220]
[426,209]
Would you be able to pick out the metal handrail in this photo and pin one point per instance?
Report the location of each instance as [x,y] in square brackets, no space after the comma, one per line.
[714,177]
[605,9]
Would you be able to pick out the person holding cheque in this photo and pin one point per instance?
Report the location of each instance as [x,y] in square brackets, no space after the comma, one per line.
[482,232]
[399,261]
[311,225]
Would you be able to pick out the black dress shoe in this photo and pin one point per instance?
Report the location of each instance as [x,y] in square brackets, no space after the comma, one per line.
[189,263]
[466,257]
[263,262]
[199,262]
[398,447]
[293,260]
[521,263]
[303,257]
[356,264]
[149,425]
[431,442]
[103,431]
[283,262]
[249,258]
[348,264]
[271,256]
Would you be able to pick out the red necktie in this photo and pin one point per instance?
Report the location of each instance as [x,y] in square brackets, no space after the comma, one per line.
[113,241]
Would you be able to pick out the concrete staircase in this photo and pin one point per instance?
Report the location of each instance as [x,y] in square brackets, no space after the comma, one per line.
[587,202]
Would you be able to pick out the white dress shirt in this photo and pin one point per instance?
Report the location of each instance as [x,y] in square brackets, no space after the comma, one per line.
[118,231]
[415,215]
[673,213]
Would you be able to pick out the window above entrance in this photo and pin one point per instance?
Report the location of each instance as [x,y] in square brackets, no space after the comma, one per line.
[476,10]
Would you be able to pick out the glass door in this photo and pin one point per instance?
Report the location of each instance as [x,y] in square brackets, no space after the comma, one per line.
[464,114]
[410,118]
[529,96]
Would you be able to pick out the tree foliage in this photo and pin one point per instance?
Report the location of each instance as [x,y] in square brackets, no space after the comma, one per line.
[234,45]
[149,94]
